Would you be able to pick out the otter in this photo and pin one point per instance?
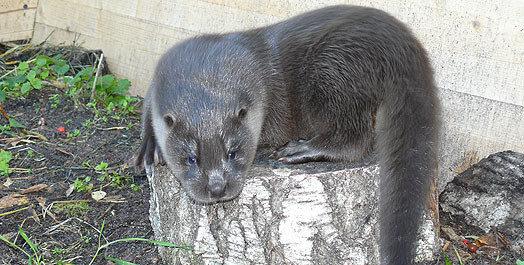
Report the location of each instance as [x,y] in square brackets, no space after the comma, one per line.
[313,86]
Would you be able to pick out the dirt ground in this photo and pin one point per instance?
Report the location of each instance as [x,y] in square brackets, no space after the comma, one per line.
[66,225]
[72,235]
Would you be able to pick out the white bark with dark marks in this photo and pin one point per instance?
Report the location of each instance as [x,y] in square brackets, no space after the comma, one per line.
[317,213]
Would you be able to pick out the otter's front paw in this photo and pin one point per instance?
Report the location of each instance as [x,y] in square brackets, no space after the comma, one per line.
[296,152]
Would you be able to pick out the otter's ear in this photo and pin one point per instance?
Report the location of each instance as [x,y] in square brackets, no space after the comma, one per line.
[170,121]
[241,113]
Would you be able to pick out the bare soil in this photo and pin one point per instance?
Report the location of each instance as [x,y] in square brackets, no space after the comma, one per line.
[56,161]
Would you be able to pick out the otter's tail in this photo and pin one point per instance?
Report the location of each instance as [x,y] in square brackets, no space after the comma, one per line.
[407,143]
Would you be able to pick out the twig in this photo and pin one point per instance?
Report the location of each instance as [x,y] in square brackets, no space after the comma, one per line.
[3,111]
[96,77]
[15,211]
[112,128]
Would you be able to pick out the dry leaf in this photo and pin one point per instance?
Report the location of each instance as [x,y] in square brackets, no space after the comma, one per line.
[12,200]
[70,190]
[10,235]
[35,188]
[31,213]
[45,210]
[451,233]
[98,195]
[8,182]
[501,241]
[114,198]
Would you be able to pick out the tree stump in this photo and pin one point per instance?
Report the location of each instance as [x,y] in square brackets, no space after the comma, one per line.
[316,213]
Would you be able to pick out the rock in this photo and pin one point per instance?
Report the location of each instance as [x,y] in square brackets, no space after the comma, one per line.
[490,195]
[316,213]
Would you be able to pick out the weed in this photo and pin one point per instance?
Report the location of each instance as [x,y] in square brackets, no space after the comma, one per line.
[55,99]
[72,209]
[58,251]
[75,133]
[101,167]
[5,157]
[134,187]
[86,164]
[6,129]
[33,258]
[29,75]
[86,239]
[86,123]
[118,261]
[83,184]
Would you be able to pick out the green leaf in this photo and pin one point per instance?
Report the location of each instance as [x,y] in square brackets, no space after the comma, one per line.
[85,73]
[57,57]
[122,86]
[5,157]
[31,74]
[25,88]
[107,81]
[43,60]
[23,65]
[31,244]
[102,166]
[2,95]
[520,262]
[44,75]
[14,245]
[15,124]
[446,260]
[61,69]
[37,83]
[15,79]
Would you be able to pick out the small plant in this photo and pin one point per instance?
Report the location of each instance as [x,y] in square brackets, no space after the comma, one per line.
[6,129]
[75,133]
[86,239]
[86,123]
[86,164]
[30,74]
[58,251]
[101,167]
[5,157]
[72,209]
[83,184]
[111,91]
[55,99]
[118,261]
[33,258]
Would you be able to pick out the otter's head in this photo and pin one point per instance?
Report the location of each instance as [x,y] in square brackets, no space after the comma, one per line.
[210,160]
[207,114]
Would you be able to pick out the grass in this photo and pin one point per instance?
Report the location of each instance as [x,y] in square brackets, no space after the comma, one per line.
[35,257]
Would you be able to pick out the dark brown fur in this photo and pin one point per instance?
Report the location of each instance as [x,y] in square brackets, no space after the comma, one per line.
[313,84]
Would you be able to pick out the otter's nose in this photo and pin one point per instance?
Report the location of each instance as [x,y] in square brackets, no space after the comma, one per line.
[217,189]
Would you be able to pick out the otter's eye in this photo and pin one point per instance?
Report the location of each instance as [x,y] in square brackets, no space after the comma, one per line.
[231,155]
[191,159]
